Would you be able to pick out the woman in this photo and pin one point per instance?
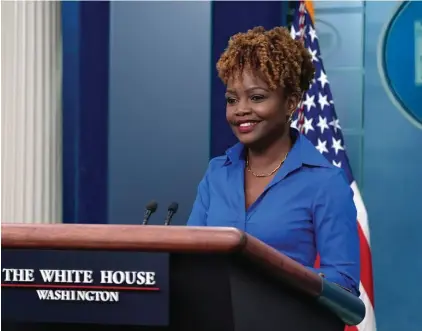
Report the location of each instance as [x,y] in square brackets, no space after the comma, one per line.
[274,184]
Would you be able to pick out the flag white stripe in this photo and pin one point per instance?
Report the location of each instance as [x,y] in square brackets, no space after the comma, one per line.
[362,215]
[368,323]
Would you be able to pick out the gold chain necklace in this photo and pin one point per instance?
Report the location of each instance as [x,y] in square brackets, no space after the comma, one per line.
[264,175]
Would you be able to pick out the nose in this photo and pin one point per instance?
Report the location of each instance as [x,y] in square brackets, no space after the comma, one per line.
[243,108]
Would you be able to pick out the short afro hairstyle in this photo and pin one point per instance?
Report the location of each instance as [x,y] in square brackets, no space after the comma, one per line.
[281,60]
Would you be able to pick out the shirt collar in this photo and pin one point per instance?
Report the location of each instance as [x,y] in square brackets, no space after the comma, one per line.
[303,152]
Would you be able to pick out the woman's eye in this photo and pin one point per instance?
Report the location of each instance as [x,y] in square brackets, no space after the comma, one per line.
[257,98]
[230,100]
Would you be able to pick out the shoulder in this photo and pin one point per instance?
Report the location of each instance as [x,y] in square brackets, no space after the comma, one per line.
[214,169]
[320,169]
[332,189]
[231,156]
[333,181]
[311,155]
[216,164]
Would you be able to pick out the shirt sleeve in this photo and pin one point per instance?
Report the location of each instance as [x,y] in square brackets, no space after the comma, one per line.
[337,239]
[199,213]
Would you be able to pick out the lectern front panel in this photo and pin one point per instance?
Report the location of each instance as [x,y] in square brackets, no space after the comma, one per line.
[261,302]
[85,287]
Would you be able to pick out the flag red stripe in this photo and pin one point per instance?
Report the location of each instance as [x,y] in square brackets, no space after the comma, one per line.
[366,265]
[317,262]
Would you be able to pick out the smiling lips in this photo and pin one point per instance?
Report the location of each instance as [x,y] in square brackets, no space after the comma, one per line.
[247,127]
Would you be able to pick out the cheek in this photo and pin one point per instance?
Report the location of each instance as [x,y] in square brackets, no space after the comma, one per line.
[274,113]
[230,112]
[277,122]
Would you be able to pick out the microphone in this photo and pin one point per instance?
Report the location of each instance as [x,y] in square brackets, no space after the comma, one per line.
[150,208]
[172,209]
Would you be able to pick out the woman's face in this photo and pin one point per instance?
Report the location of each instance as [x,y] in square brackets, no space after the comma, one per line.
[256,113]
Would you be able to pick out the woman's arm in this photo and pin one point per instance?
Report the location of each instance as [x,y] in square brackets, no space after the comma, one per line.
[199,213]
[337,239]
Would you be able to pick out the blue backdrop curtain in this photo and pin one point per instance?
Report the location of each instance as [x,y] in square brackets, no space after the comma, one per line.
[229,18]
[85,32]
[85,29]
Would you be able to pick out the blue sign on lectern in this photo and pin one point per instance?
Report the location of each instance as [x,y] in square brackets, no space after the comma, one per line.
[401,59]
[100,287]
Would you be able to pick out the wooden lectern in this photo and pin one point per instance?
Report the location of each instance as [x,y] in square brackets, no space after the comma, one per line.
[220,279]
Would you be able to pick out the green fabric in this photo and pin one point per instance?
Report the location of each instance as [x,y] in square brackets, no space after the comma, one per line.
[348,307]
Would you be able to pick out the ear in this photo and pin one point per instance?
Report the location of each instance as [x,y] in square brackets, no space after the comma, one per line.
[292,102]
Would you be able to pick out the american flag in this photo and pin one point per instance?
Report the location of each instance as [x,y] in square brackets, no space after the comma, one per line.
[316,118]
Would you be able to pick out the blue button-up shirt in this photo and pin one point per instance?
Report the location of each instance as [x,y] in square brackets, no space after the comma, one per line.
[307,209]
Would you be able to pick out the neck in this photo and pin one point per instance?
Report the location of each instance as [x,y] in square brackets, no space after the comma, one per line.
[271,154]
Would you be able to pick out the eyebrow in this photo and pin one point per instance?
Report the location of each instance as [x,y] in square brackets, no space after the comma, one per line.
[249,89]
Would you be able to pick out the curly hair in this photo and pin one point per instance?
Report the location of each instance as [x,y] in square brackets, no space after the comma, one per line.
[282,61]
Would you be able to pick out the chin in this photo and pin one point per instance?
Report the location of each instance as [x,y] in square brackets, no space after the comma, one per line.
[248,140]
